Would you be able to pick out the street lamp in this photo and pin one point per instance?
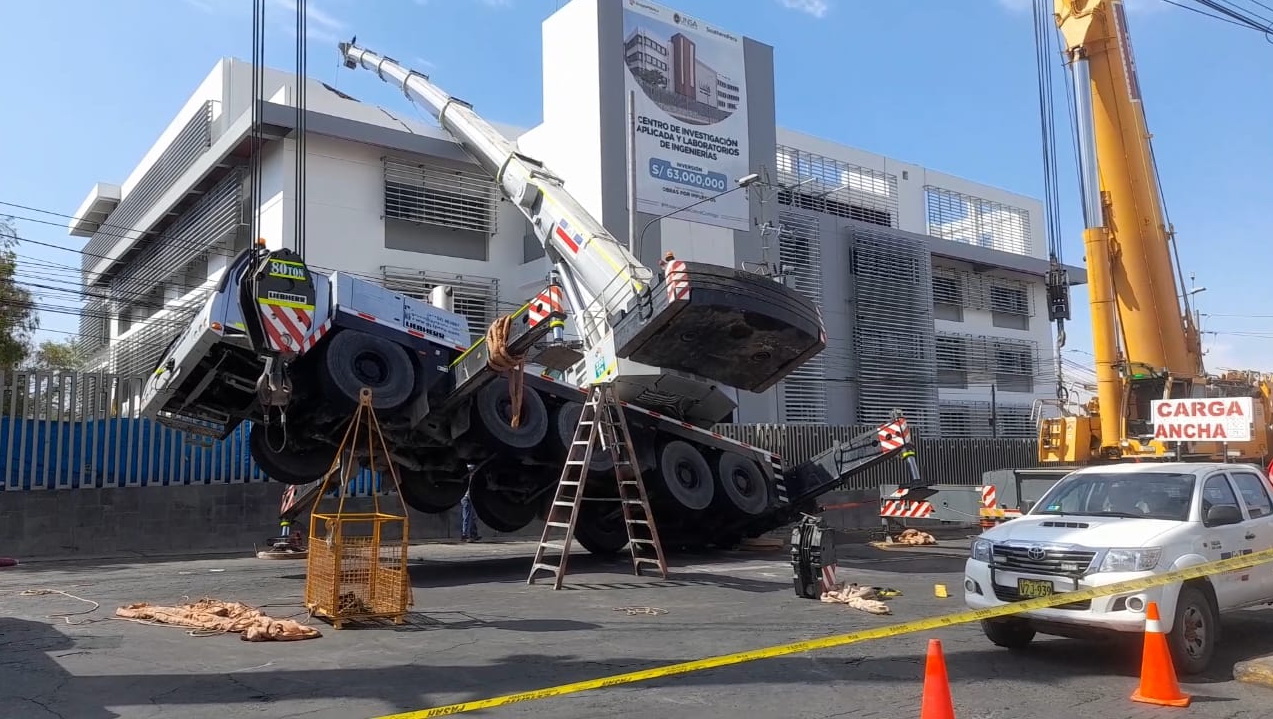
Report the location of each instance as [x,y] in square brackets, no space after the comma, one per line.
[740,183]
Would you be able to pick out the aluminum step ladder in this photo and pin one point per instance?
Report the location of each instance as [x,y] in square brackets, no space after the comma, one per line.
[600,420]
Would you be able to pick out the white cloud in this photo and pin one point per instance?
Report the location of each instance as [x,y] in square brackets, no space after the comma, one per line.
[313,15]
[816,8]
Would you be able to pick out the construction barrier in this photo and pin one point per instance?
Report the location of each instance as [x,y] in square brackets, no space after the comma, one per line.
[940,622]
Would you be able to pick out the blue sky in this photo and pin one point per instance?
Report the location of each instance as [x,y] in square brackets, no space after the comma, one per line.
[946,84]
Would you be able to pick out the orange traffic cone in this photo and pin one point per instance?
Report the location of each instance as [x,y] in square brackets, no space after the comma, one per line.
[1157,675]
[937,703]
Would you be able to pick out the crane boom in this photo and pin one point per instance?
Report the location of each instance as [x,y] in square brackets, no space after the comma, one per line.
[1146,343]
[724,325]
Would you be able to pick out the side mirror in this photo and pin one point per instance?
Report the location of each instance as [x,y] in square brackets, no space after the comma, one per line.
[1223,514]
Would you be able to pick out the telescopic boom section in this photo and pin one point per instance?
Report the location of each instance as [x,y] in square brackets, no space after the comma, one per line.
[729,326]
[1146,345]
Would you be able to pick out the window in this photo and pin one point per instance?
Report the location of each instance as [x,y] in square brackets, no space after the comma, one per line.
[441,196]
[1254,495]
[1157,495]
[1013,367]
[948,302]
[952,362]
[1216,492]
[1010,306]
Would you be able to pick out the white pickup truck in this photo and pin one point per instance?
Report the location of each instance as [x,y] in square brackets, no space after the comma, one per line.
[1105,524]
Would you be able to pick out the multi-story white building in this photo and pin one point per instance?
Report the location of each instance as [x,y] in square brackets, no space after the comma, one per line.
[931,286]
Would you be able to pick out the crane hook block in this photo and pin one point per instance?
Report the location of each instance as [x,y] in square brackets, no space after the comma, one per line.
[736,327]
[284,292]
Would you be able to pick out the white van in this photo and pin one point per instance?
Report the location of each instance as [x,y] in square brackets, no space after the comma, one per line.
[1105,524]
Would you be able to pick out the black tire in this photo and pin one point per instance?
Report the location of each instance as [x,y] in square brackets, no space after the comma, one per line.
[289,466]
[501,511]
[686,475]
[565,421]
[1008,634]
[423,492]
[353,360]
[1194,632]
[600,528]
[493,412]
[743,483]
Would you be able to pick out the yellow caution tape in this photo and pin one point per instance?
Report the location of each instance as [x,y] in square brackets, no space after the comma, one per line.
[1131,585]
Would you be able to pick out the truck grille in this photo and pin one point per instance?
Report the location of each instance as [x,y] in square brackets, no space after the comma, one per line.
[1052,561]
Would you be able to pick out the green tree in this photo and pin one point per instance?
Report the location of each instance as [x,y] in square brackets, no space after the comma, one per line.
[57,356]
[18,318]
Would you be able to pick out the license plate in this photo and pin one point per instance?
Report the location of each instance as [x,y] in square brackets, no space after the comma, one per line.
[1032,588]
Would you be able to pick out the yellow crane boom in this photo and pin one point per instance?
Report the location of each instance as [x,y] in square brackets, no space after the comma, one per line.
[1146,344]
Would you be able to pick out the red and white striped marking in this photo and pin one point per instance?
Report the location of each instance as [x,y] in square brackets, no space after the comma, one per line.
[544,304]
[308,343]
[894,434]
[907,509]
[678,281]
[286,327]
[989,497]
[828,578]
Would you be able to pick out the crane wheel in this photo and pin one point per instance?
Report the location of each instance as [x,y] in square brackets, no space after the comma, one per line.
[289,466]
[493,410]
[354,360]
[423,492]
[686,475]
[565,421]
[600,528]
[743,483]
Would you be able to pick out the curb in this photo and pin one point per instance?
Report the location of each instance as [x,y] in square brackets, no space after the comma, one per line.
[1255,671]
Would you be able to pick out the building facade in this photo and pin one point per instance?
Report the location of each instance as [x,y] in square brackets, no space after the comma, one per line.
[931,286]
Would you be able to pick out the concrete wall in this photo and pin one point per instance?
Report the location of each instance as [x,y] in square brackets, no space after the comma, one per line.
[156,521]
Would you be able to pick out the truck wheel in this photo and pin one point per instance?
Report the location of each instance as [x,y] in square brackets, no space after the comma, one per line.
[422,492]
[743,483]
[1008,634]
[354,360]
[686,475]
[494,409]
[600,529]
[565,421]
[289,466]
[501,510]
[1194,632]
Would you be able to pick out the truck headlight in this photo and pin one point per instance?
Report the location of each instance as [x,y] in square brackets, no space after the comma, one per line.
[1131,560]
[981,550]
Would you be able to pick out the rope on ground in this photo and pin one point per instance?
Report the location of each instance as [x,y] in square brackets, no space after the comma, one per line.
[67,616]
[500,359]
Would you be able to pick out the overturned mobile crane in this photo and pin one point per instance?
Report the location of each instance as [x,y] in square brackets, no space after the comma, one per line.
[288,350]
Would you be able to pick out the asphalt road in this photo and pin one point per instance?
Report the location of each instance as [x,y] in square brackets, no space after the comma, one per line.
[479,631]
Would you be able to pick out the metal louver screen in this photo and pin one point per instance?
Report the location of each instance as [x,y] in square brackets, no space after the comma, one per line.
[974,419]
[137,353]
[977,221]
[214,218]
[838,188]
[477,298]
[193,140]
[981,292]
[800,253]
[441,196]
[893,326]
[980,361]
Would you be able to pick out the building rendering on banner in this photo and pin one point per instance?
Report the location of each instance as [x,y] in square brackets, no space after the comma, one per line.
[931,286]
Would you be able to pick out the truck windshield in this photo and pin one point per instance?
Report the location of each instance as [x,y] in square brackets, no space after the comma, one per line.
[1153,495]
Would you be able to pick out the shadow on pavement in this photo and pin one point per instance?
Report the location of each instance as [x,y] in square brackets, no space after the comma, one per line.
[36,685]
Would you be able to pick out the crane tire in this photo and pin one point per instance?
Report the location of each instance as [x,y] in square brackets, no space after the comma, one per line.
[743,483]
[289,466]
[600,529]
[686,475]
[354,360]
[501,511]
[493,408]
[565,421]
[422,492]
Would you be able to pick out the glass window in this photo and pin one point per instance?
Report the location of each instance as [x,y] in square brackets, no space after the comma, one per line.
[1254,495]
[1154,495]
[1217,493]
